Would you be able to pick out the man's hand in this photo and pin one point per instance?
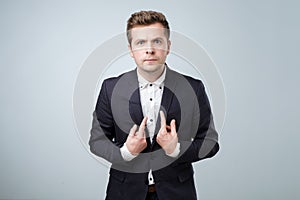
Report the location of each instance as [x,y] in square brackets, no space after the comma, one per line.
[167,135]
[136,140]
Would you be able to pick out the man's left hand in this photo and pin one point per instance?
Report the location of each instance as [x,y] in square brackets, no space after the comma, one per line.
[167,135]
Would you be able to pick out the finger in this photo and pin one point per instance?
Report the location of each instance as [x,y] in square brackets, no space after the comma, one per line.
[173,127]
[142,127]
[168,128]
[133,130]
[162,120]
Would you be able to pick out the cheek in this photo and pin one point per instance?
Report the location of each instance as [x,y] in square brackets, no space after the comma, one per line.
[162,53]
[137,54]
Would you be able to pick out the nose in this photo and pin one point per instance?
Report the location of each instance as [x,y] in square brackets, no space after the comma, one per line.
[149,51]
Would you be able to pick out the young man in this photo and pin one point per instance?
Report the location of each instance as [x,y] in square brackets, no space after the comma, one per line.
[152,123]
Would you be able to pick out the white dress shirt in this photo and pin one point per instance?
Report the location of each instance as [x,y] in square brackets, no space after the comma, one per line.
[150,95]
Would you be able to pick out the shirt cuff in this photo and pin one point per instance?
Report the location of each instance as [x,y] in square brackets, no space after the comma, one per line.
[175,152]
[127,156]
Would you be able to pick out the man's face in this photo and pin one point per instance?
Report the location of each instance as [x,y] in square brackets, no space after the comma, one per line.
[149,47]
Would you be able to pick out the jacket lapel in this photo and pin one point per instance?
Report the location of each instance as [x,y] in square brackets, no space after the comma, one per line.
[167,98]
[169,88]
[135,108]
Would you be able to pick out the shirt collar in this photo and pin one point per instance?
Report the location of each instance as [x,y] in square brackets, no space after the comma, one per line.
[143,82]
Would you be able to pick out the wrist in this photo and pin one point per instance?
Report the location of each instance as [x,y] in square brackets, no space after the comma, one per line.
[174,152]
[126,154]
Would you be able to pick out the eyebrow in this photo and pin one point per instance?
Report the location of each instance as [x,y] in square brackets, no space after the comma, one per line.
[143,39]
[158,38]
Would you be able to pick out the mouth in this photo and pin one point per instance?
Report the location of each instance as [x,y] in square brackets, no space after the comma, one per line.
[150,60]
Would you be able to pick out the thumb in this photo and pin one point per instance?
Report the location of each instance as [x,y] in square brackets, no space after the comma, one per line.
[133,130]
[173,127]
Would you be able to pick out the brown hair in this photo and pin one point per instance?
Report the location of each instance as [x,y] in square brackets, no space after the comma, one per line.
[146,18]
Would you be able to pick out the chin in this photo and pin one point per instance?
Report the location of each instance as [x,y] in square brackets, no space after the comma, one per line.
[152,68]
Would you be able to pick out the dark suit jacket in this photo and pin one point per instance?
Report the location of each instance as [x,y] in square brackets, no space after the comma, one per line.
[173,176]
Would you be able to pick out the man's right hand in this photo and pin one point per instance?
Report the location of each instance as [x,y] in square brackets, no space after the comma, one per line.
[136,140]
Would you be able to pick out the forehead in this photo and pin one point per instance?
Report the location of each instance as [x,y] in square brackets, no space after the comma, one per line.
[148,31]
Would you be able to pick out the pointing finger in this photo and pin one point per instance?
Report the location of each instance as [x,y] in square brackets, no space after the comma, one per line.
[162,120]
[142,127]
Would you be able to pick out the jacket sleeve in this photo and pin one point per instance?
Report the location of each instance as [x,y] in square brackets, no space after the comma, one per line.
[205,143]
[102,139]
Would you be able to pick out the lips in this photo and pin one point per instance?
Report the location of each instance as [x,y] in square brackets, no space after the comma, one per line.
[150,60]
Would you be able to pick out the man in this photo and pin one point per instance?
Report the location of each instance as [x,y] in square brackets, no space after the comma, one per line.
[152,123]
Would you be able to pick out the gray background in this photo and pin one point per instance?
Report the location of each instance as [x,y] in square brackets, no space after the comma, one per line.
[255,45]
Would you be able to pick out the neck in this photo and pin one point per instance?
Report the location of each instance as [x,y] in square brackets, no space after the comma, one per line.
[151,76]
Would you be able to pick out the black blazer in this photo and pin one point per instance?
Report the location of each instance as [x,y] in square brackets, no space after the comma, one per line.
[118,109]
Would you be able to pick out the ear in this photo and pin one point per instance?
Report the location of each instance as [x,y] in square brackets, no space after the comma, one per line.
[169,46]
[130,50]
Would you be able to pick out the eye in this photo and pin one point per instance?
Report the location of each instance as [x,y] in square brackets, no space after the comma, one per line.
[140,42]
[157,41]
